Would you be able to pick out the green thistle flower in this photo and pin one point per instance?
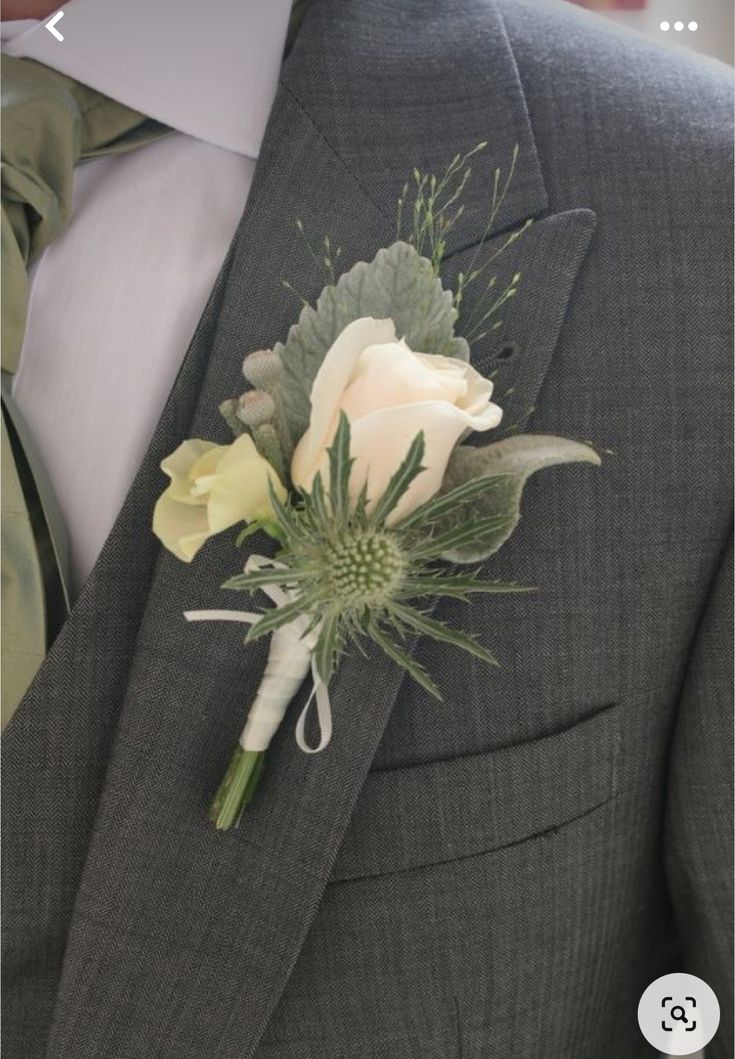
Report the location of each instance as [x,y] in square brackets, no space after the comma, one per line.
[355,577]
[364,569]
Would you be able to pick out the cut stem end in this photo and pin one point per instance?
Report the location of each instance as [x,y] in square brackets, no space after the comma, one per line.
[236,788]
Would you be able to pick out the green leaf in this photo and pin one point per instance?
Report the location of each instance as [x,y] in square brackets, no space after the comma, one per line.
[267,525]
[456,587]
[404,660]
[361,506]
[293,527]
[340,465]
[437,630]
[256,578]
[398,284]
[446,503]
[319,501]
[274,619]
[409,469]
[327,646]
[465,534]
[511,462]
[523,455]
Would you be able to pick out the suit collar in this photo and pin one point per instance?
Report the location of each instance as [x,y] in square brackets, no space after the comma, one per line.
[393,87]
[223,917]
[208,70]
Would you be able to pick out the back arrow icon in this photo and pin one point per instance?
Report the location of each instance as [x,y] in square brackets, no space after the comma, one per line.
[51,24]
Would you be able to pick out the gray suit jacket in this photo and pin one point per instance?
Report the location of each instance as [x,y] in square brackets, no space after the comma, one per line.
[503,874]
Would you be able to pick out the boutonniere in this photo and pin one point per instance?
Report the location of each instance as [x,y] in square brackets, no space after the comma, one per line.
[349,452]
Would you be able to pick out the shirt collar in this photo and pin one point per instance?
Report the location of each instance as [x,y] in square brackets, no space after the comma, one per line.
[207,69]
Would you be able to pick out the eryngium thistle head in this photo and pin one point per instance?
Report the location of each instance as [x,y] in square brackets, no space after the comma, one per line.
[364,569]
[353,577]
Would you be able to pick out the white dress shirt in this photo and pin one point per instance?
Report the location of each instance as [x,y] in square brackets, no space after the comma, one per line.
[115,301]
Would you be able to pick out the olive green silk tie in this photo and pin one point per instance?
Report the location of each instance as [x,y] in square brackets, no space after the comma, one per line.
[49,123]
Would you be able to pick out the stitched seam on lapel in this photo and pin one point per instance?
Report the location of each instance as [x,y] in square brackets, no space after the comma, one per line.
[320,131]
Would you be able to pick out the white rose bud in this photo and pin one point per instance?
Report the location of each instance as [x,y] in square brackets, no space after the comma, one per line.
[391,393]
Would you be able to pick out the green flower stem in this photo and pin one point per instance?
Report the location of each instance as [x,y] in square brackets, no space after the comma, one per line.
[236,788]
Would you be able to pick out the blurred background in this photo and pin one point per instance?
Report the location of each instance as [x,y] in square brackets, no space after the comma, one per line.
[673,22]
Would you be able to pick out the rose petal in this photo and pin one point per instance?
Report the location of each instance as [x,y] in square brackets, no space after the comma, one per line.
[178,466]
[180,527]
[392,374]
[239,488]
[329,385]
[477,389]
[381,440]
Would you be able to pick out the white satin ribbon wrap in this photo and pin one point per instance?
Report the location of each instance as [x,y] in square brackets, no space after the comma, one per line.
[290,657]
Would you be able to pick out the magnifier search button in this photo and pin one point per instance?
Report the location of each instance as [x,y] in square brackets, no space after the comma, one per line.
[678,1014]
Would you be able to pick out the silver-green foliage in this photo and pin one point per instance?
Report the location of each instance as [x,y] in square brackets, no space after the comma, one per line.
[356,577]
[505,467]
[398,283]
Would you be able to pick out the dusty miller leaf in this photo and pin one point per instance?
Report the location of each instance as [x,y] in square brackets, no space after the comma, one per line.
[398,283]
[515,460]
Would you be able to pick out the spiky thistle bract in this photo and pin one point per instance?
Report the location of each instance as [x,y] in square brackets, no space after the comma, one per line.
[356,577]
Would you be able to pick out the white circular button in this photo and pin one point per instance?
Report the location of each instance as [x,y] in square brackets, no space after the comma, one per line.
[665,27]
[693,26]
[678,26]
[678,1014]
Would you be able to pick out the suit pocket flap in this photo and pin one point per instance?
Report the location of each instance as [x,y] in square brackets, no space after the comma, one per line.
[428,814]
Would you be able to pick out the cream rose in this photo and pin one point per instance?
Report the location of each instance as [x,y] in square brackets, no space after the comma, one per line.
[212,488]
[390,394]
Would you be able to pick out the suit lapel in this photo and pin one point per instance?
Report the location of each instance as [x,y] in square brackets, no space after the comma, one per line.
[401,86]
[183,939]
[517,355]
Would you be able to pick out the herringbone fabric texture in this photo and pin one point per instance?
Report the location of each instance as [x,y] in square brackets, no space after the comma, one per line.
[503,874]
